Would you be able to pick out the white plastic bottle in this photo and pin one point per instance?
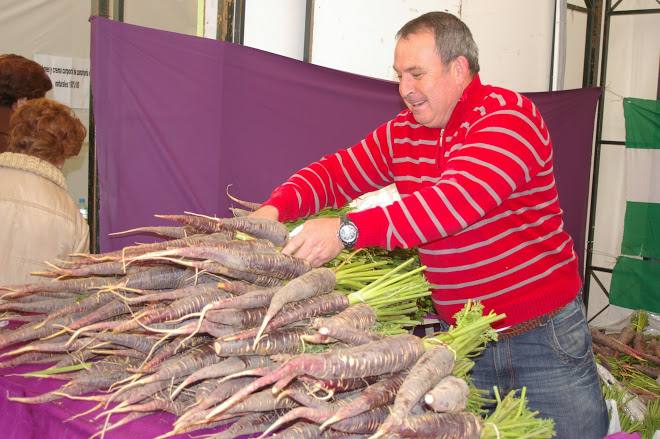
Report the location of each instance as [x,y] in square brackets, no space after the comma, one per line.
[82,205]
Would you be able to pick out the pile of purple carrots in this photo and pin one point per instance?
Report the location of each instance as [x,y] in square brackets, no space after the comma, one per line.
[215,325]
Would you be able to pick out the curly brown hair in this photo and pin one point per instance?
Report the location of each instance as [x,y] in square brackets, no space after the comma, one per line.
[45,129]
[21,78]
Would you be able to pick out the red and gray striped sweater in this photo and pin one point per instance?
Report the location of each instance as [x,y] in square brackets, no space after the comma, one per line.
[478,199]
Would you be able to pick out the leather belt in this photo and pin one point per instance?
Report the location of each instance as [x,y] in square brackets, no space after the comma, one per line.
[527,325]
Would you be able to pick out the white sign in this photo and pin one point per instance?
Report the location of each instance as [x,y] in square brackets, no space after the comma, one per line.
[70,77]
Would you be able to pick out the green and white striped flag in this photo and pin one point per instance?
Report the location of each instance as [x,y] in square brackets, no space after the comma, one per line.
[636,277]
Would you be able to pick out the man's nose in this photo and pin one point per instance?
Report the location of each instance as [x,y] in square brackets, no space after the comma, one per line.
[405,87]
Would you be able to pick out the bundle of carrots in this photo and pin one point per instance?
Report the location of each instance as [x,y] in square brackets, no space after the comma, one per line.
[217,329]
[632,359]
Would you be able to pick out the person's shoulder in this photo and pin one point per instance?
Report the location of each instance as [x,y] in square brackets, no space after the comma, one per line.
[500,100]
[495,97]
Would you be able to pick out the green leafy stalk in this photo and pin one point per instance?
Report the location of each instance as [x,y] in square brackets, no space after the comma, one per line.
[640,321]
[471,332]
[55,370]
[513,419]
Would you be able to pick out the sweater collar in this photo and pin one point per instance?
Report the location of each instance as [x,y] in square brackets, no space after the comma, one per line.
[469,94]
[34,165]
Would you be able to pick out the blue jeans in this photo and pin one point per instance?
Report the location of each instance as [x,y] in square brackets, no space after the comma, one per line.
[556,364]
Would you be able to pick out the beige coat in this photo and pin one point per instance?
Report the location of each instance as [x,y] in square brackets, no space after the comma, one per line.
[39,220]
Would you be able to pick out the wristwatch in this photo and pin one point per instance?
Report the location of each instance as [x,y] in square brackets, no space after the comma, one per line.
[348,232]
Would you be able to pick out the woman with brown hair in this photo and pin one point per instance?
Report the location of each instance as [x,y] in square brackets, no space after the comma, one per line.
[20,79]
[39,220]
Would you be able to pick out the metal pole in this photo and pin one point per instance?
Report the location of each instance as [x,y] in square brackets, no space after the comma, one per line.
[599,134]
[118,10]
[309,31]
[586,68]
[552,50]
[238,34]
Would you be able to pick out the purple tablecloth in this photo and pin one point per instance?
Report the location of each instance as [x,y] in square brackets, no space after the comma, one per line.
[19,420]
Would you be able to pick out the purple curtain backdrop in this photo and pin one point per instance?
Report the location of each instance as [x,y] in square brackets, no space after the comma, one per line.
[180,118]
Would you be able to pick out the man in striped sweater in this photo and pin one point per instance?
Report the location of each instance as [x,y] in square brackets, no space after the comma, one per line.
[473,164]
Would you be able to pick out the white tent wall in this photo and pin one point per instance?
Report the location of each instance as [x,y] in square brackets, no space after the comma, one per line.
[56,27]
[514,36]
[576,25]
[170,15]
[358,37]
[276,26]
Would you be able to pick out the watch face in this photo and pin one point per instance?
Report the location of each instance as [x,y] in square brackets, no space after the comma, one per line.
[348,233]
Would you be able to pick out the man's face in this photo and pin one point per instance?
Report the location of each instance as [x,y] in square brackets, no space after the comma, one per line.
[429,88]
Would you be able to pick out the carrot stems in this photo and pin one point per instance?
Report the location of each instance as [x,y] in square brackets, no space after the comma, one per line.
[471,332]
[513,419]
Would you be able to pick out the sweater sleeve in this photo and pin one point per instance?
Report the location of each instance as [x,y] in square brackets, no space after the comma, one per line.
[505,146]
[337,178]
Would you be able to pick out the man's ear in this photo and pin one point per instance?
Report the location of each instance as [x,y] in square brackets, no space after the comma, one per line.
[461,68]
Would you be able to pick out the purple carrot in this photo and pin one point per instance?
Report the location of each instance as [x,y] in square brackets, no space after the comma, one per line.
[257,227]
[215,268]
[248,424]
[298,311]
[110,268]
[335,385]
[169,350]
[434,365]
[41,306]
[32,332]
[249,300]
[224,390]
[178,308]
[108,311]
[440,426]
[88,304]
[136,250]
[179,293]
[176,232]
[101,375]
[299,430]
[223,368]
[313,283]
[363,423]
[237,287]
[389,355]
[138,342]
[250,205]
[238,212]
[177,367]
[449,395]
[263,401]
[379,394]
[350,326]
[278,342]
[81,284]
[237,318]
[32,358]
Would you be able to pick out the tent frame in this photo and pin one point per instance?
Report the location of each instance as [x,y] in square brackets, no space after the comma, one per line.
[592,271]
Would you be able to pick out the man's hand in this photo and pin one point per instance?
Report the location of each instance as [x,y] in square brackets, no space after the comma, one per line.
[266,212]
[317,242]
